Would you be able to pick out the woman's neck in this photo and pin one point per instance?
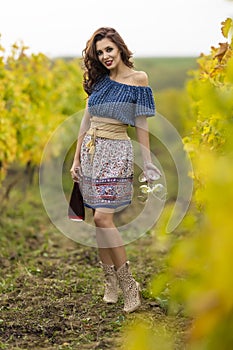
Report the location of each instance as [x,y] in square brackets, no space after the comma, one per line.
[120,72]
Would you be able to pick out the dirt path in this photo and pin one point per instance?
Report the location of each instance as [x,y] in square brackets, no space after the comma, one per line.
[51,290]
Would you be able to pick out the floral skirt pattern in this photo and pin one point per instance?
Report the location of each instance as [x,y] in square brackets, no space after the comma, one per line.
[107,181]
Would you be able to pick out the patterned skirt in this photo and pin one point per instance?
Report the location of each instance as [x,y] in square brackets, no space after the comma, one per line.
[107,180]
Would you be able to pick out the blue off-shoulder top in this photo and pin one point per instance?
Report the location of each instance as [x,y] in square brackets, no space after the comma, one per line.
[111,99]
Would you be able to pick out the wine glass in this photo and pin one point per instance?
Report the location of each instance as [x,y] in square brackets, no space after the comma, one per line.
[156,189]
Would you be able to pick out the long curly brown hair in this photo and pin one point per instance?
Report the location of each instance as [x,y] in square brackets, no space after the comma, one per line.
[93,69]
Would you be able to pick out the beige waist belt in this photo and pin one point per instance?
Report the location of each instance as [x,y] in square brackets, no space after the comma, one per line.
[107,128]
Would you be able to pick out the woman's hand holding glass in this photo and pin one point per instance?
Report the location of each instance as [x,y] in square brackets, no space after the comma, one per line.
[150,175]
[151,172]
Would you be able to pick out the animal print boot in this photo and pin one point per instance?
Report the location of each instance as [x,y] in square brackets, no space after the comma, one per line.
[111,283]
[130,287]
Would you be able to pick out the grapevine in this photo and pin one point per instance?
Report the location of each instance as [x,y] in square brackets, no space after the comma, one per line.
[36,94]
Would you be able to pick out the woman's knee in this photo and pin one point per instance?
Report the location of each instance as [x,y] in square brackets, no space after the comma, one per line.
[102,219]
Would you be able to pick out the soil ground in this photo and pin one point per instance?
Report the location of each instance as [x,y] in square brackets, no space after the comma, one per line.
[51,288]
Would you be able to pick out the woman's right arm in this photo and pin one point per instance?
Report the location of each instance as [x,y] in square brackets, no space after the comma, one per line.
[84,126]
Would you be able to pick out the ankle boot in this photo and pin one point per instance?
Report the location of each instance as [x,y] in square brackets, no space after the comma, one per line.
[111,283]
[131,288]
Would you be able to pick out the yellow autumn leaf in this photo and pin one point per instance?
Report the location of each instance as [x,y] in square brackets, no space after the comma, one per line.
[206,130]
[227,26]
[211,137]
[229,71]
[144,335]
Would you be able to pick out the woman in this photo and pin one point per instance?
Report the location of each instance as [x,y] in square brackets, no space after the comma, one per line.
[118,96]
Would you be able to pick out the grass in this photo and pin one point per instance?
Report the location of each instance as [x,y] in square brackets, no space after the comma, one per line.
[51,287]
[166,72]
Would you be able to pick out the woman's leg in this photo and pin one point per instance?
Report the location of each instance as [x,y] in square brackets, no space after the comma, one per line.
[105,256]
[111,247]
[110,243]
[109,257]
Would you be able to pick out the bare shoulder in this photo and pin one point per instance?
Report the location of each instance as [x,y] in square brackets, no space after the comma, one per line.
[140,78]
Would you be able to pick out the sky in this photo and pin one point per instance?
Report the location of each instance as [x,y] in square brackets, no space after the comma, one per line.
[148,27]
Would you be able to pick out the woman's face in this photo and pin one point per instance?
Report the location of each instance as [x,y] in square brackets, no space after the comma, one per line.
[108,53]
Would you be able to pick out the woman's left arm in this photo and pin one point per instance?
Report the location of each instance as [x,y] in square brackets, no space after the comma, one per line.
[151,172]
